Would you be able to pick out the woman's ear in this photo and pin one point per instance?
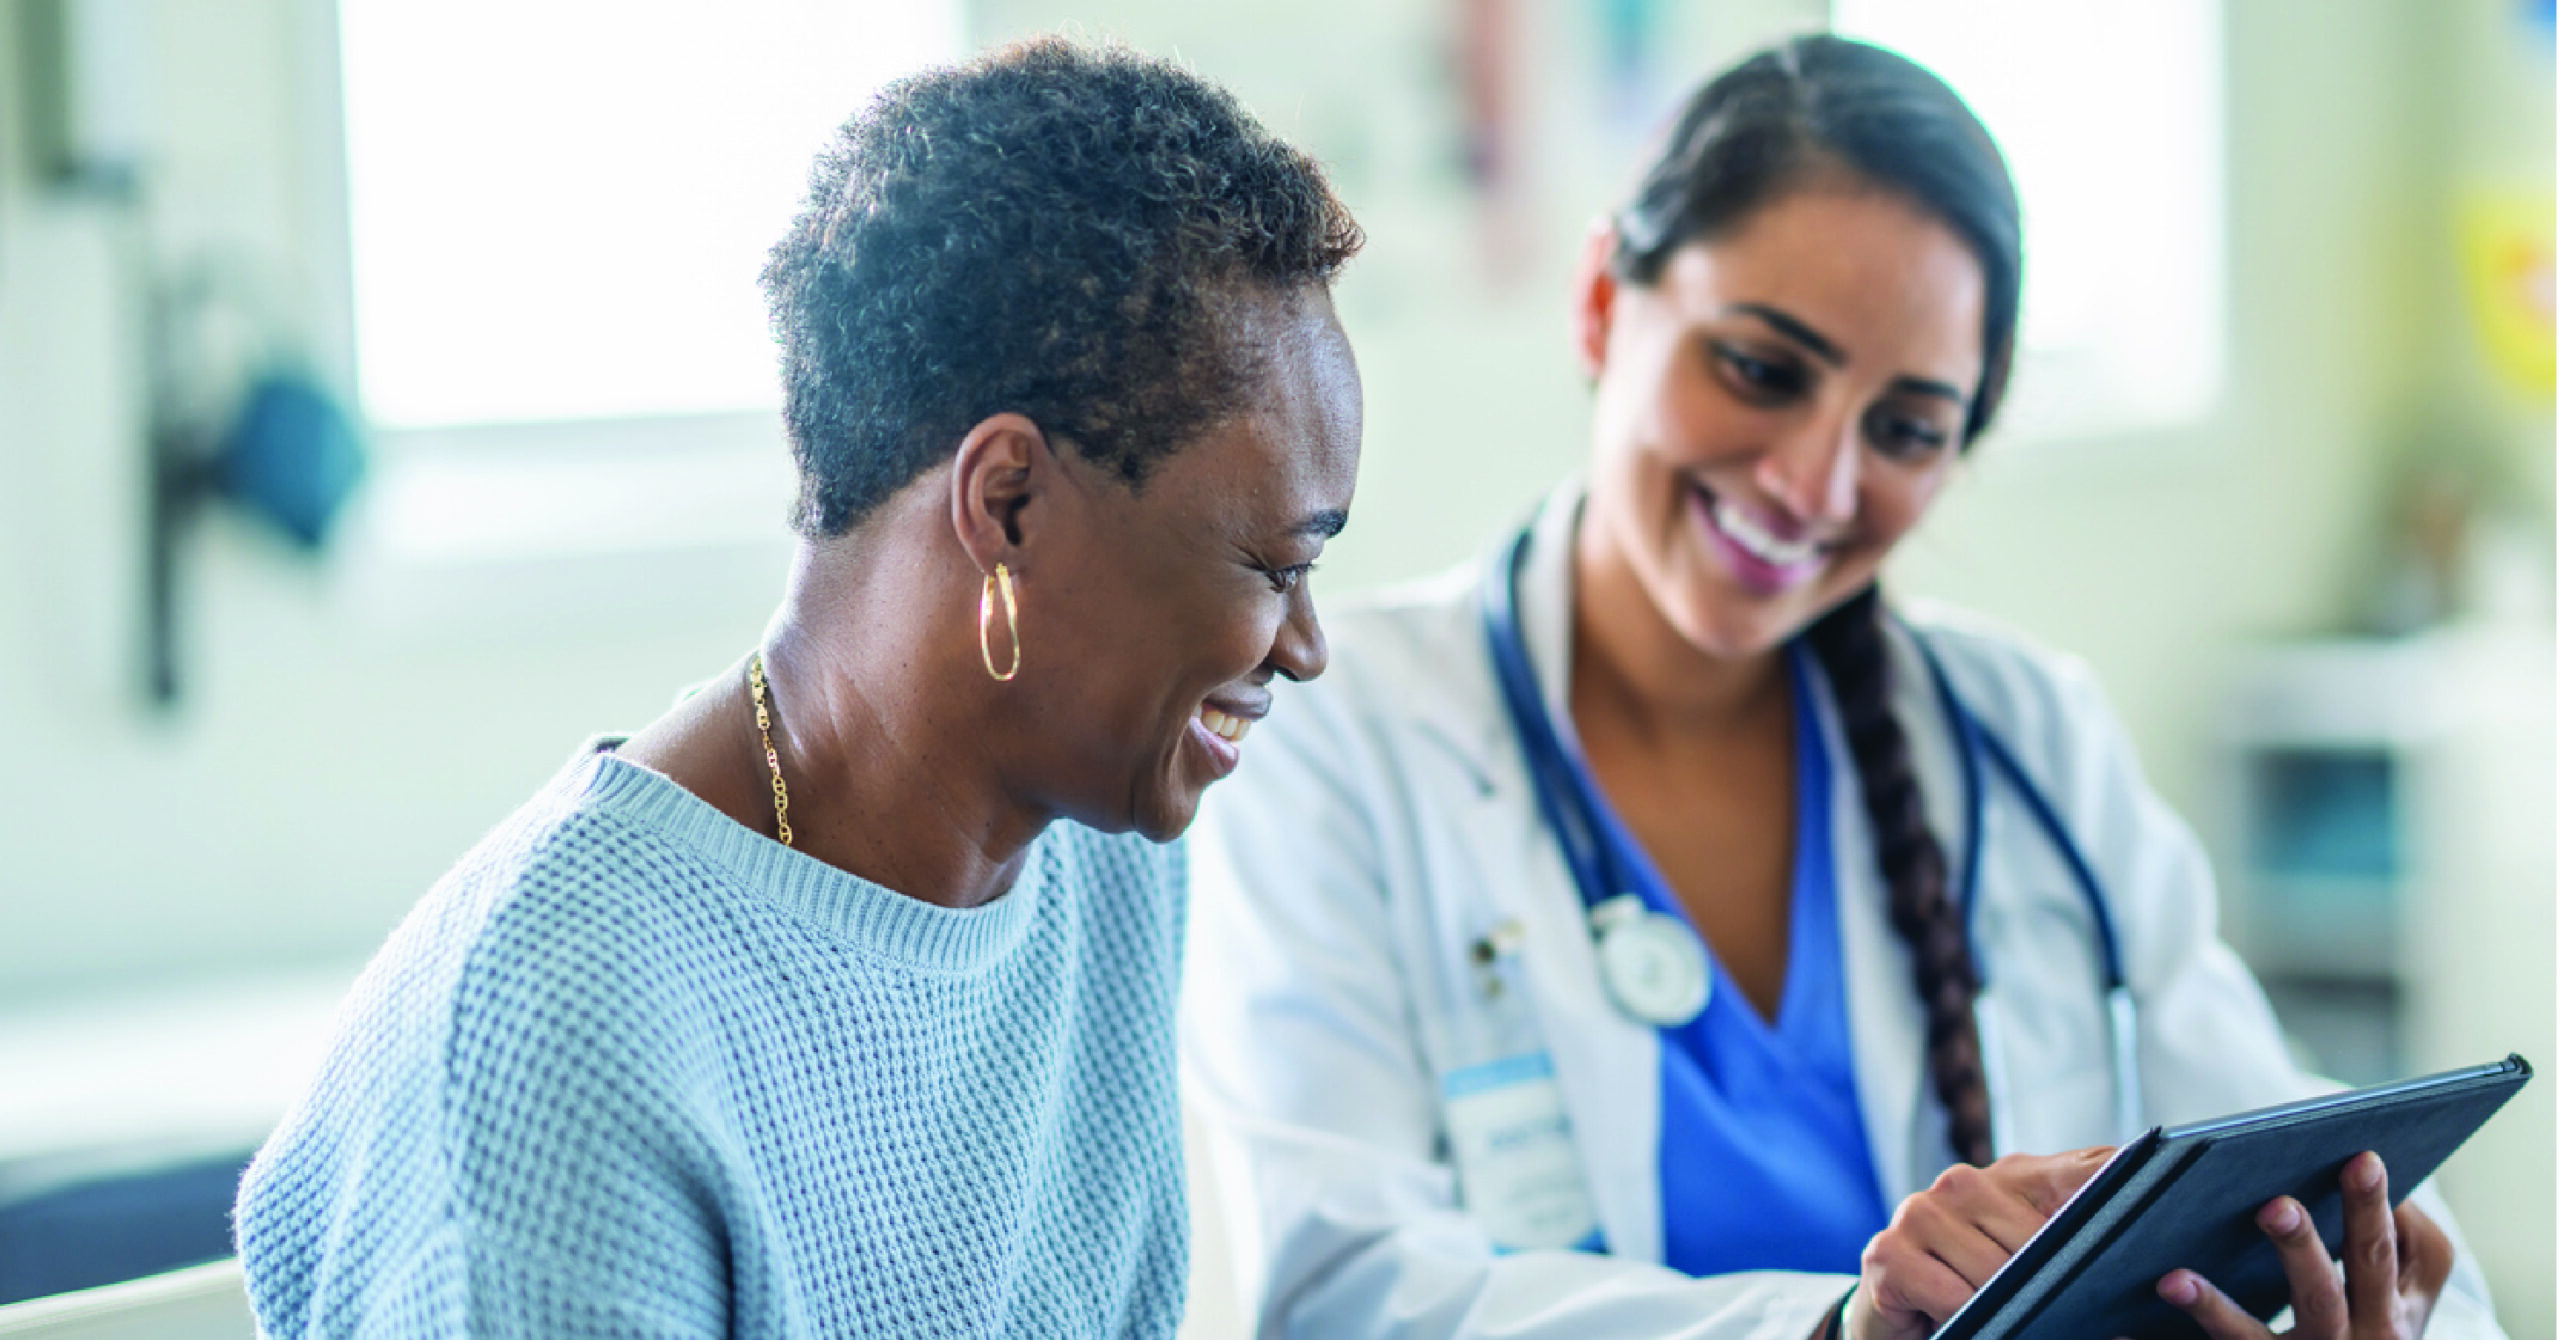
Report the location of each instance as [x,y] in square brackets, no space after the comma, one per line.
[1595,296]
[1000,477]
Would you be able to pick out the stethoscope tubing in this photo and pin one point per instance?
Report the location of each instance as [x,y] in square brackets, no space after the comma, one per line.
[1571,812]
[1974,743]
[1566,800]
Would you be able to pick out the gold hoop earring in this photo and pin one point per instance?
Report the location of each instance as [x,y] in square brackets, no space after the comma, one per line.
[1000,581]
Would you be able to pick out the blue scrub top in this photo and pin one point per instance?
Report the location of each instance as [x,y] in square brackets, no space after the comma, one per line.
[1764,1160]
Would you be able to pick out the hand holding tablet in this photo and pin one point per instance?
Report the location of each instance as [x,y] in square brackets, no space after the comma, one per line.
[2396,1260]
[2204,1229]
[1950,1240]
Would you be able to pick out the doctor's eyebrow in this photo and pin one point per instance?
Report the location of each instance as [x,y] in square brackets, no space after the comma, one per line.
[1813,340]
[1931,387]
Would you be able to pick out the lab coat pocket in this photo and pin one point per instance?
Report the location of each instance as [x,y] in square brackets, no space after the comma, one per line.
[2054,1082]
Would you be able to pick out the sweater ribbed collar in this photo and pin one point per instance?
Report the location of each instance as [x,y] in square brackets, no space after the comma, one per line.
[872,918]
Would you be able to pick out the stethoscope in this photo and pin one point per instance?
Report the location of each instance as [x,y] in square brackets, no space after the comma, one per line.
[1654,965]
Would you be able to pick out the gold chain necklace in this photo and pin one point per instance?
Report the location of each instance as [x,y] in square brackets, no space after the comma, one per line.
[772,760]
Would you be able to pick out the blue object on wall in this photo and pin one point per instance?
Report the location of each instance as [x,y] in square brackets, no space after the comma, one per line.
[291,458]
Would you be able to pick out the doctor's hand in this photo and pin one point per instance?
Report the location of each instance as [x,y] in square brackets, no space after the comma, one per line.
[2396,1266]
[1944,1242]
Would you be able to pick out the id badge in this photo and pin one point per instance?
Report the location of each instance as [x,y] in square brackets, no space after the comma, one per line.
[1518,1171]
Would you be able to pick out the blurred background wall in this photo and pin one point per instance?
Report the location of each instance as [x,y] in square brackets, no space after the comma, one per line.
[2371,454]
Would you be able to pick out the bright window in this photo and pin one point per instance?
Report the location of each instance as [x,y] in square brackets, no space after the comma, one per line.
[559,207]
[2111,118]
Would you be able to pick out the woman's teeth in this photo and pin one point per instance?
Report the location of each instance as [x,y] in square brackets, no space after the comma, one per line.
[1756,540]
[1227,728]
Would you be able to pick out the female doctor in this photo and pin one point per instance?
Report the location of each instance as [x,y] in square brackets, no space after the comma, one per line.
[1647,931]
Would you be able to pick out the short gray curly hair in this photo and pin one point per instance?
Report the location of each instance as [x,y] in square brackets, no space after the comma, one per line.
[1051,230]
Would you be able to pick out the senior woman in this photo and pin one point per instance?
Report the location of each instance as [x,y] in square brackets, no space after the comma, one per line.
[834,1002]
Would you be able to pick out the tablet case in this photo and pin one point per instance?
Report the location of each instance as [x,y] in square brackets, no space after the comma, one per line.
[2189,1196]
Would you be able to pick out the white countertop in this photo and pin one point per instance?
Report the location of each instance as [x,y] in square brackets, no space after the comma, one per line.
[103,1081]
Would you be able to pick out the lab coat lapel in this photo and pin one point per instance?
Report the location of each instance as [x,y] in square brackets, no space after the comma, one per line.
[1607,1065]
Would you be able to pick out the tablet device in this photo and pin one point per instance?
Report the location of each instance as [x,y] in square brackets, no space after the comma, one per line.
[2189,1196]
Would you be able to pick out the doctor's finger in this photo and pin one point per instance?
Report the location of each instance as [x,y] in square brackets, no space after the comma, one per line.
[1904,1283]
[1963,1246]
[2045,1181]
[2373,1246]
[2319,1301]
[2007,1224]
[2426,1254]
[2211,1308]
[2011,1199]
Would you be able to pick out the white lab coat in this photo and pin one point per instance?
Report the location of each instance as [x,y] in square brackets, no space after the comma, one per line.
[1384,820]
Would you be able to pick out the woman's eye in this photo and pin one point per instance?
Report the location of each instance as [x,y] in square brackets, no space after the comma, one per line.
[1902,436]
[1761,376]
[1285,580]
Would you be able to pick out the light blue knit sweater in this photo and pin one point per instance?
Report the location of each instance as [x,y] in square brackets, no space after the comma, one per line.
[631,1069]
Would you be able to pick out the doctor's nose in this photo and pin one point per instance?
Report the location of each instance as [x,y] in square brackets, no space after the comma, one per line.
[1813,473]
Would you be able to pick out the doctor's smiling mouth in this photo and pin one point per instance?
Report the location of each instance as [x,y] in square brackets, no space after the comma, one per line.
[1766,554]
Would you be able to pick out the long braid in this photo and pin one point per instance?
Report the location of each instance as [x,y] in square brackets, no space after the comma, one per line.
[1850,643]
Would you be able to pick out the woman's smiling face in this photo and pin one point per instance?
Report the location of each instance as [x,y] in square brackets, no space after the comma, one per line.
[1778,409]
[1156,627]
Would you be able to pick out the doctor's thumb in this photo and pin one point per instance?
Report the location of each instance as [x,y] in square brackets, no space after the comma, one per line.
[2080,1165]
[2047,1181]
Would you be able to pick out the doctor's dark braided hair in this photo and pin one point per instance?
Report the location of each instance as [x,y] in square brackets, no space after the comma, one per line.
[1825,105]
[1849,641]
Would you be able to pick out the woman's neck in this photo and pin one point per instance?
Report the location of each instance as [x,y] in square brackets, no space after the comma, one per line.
[1633,667]
[885,754]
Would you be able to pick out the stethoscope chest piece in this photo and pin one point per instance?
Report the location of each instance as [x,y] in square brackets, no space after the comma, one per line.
[1654,966]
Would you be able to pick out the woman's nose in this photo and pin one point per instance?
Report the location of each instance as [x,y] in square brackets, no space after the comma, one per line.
[1298,651]
[1814,472]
